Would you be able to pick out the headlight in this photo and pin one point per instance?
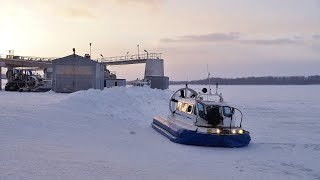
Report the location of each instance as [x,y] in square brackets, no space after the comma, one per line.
[234,131]
[218,131]
[240,131]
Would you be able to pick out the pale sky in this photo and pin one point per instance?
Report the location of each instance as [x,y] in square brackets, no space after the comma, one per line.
[235,38]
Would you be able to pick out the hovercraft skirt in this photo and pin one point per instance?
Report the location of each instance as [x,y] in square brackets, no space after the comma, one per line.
[184,136]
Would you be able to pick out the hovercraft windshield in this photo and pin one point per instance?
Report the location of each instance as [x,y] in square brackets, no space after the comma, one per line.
[213,115]
[216,115]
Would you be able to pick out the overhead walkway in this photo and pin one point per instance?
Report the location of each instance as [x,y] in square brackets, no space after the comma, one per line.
[25,61]
[133,59]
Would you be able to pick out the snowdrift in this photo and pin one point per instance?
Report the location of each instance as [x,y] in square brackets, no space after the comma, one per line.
[140,103]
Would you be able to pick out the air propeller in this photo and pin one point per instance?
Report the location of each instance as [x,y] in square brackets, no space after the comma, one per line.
[181,94]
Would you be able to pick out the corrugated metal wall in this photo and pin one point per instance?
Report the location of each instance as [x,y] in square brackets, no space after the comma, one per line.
[74,73]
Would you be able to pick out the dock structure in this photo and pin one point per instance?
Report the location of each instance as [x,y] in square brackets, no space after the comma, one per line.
[154,63]
[45,62]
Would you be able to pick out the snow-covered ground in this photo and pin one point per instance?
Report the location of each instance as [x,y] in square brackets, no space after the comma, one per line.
[107,135]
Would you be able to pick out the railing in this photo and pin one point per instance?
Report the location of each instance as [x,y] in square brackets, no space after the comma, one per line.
[106,59]
[131,57]
[27,58]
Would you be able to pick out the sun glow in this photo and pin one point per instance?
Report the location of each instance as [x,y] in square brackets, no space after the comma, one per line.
[7,35]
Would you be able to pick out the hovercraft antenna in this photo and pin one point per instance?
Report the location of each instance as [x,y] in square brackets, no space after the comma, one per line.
[209,79]
[217,89]
[186,92]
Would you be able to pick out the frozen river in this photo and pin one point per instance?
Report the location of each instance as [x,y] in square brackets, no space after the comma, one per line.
[107,135]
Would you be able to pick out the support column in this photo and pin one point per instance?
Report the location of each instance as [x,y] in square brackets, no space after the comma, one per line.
[2,64]
[0,78]
[154,67]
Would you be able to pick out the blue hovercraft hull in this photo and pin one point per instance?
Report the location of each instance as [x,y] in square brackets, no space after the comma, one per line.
[181,135]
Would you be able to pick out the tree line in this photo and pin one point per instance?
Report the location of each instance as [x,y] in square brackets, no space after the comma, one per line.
[267,80]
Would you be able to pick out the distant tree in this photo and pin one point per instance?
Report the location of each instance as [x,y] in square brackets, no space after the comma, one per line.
[267,80]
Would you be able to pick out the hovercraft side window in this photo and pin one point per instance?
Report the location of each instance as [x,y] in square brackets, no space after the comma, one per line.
[184,107]
[227,111]
[189,109]
[179,106]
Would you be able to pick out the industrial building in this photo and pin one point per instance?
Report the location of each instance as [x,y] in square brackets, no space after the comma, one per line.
[158,82]
[115,82]
[74,73]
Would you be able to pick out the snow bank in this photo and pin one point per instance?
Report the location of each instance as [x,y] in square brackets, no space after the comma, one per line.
[135,103]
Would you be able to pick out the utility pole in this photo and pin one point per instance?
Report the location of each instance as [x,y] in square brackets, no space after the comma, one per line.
[127,55]
[138,52]
[147,53]
[90,51]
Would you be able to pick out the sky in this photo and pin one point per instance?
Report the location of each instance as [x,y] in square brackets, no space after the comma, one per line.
[233,38]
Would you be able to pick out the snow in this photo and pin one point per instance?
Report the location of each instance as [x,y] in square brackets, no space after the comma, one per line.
[107,135]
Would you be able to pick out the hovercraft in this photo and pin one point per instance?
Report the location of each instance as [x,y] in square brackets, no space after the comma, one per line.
[202,119]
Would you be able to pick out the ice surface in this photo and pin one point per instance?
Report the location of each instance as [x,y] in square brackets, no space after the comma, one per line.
[107,135]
